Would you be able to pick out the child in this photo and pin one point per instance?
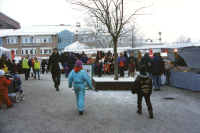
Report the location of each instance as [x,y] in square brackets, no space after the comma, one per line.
[143,87]
[79,76]
[4,83]
[131,68]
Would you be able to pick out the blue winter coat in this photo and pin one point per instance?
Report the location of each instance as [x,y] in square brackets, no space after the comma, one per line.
[123,60]
[84,59]
[79,77]
[158,66]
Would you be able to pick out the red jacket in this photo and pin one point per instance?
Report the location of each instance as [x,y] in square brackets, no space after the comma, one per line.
[4,83]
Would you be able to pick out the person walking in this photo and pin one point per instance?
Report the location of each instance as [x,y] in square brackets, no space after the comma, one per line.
[79,76]
[71,60]
[43,65]
[131,69]
[143,87]
[157,71]
[99,68]
[4,83]
[30,65]
[36,67]
[54,59]
[26,67]
[134,60]
[148,62]
[121,61]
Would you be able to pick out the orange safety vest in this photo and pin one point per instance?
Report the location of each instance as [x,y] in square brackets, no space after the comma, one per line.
[121,63]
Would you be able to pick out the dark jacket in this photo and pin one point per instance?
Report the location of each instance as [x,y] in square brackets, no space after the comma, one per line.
[84,59]
[181,62]
[71,60]
[107,59]
[145,60]
[53,63]
[132,58]
[30,63]
[43,64]
[143,85]
[158,66]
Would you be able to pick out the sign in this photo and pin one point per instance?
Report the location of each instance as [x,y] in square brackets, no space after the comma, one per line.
[30,45]
[89,69]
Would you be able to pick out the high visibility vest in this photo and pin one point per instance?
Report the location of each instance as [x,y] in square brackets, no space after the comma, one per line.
[25,64]
[36,65]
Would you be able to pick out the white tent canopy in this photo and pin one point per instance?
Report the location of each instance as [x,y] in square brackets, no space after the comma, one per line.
[5,51]
[76,46]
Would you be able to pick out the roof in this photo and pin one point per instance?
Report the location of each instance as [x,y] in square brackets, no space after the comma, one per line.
[76,46]
[8,23]
[44,30]
[4,32]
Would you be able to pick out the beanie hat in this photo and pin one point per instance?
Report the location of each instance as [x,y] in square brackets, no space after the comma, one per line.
[1,72]
[147,52]
[78,63]
[4,56]
[143,70]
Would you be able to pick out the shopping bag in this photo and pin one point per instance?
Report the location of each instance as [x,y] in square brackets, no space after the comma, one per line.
[163,79]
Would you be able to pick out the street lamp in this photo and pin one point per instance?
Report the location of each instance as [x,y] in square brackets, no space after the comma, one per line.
[32,36]
[160,36]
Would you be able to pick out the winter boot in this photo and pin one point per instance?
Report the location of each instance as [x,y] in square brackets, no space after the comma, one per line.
[139,111]
[57,88]
[10,106]
[80,112]
[151,114]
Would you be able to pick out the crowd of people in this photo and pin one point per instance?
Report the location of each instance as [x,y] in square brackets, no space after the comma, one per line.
[150,69]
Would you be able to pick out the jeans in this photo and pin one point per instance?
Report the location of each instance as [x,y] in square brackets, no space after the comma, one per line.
[156,81]
[38,71]
[26,71]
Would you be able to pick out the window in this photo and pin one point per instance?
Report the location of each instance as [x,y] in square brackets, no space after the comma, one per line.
[26,51]
[40,51]
[86,38]
[16,40]
[26,40]
[34,39]
[49,51]
[35,51]
[49,39]
[31,40]
[31,51]
[82,39]
[45,40]
[22,51]
[45,51]
[8,41]
[16,52]
[40,39]
[21,40]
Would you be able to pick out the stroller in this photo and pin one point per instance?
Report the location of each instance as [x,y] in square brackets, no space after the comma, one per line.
[14,89]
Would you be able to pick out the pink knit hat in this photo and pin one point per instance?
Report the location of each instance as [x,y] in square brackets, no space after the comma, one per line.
[78,63]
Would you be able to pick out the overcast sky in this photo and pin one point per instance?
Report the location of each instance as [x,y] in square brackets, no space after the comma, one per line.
[172,17]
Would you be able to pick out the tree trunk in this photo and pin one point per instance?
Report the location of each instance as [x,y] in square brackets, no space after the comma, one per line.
[115,58]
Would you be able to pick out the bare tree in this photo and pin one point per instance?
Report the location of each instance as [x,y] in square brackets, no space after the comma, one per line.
[181,39]
[111,15]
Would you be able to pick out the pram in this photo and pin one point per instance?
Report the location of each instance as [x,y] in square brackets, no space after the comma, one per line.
[14,89]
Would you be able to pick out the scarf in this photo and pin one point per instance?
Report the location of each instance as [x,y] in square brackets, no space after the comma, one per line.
[77,69]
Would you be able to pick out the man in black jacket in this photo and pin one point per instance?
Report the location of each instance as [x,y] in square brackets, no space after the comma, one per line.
[71,60]
[54,59]
[148,62]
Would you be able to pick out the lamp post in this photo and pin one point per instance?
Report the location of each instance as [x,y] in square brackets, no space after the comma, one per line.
[32,36]
[160,36]
[47,54]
